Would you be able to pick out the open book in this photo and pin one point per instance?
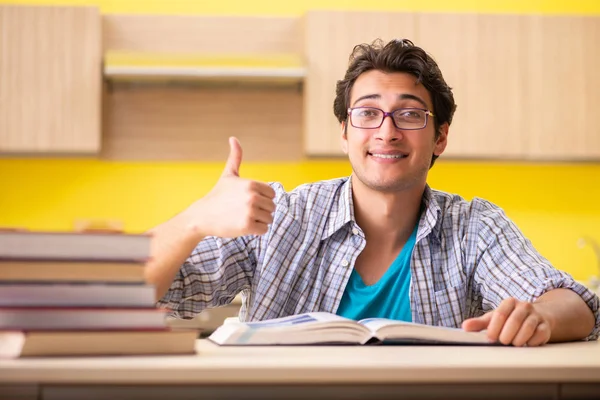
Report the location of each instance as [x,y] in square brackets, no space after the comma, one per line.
[326,328]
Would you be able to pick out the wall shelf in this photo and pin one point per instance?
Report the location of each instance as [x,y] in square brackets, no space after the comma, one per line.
[275,74]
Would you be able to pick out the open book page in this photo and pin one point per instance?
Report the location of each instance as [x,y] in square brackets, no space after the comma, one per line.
[408,332]
[374,324]
[309,328]
[300,319]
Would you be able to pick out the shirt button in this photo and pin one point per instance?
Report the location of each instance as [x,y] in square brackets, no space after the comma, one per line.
[354,231]
[345,263]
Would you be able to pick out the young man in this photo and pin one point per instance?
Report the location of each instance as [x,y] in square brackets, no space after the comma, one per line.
[380,243]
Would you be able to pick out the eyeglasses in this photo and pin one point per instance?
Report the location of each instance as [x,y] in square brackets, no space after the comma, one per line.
[403,118]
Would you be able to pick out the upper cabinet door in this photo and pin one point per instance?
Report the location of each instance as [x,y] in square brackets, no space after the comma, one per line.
[481,58]
[562,89]
[50,79]
[330,37]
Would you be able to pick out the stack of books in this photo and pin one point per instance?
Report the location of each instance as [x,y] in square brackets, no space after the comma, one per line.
[71,293]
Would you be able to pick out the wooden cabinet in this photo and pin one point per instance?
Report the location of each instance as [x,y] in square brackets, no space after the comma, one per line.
[562,96]
[526,86]
[50,79]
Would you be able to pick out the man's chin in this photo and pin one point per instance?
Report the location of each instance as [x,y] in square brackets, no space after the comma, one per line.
[388,185]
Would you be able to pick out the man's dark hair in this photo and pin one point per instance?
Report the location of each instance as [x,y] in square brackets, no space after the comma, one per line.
[397,56]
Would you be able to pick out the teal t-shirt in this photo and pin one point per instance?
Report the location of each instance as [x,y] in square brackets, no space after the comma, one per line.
[387,298]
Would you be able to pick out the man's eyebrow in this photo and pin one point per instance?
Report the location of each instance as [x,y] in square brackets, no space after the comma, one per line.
[403,96]
[367,97]
[406,96]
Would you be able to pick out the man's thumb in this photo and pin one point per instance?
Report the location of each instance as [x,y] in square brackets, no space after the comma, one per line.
[232,167]
[477,324]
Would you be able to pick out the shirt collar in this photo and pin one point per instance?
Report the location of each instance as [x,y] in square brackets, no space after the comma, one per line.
[430,222]
[342,212]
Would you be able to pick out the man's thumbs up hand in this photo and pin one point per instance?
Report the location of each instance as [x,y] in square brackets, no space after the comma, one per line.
[235,206]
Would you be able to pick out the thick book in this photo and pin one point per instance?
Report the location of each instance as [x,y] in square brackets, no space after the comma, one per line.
[36,245]
[77,295]
[27,319]
[71,271]
[326,328]
[18,344]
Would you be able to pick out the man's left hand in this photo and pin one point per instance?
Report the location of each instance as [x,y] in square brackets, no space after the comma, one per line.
[514,322]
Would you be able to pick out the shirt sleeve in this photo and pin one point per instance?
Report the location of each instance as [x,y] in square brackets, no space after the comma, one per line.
[216,271]
[508,265]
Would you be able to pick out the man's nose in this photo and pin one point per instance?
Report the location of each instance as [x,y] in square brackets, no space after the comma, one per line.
[388,131]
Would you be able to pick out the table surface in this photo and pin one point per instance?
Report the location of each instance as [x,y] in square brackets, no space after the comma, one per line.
[567,362]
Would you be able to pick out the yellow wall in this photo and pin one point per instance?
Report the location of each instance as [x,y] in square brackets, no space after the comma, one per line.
[298,7]
[553,204]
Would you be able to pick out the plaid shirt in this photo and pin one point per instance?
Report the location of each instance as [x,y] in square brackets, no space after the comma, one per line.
[468,257]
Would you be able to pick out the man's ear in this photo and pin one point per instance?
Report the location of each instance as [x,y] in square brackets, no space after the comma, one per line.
[344,137]
[442,140]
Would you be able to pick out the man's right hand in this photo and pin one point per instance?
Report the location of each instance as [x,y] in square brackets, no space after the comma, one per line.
[235,206]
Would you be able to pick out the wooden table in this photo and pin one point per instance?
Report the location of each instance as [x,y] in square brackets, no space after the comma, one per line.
[570,370]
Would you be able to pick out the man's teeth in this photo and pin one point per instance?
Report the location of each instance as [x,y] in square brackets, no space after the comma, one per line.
[388,155]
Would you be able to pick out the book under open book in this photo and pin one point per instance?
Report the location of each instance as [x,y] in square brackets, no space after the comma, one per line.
[17,344]
[326,328]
